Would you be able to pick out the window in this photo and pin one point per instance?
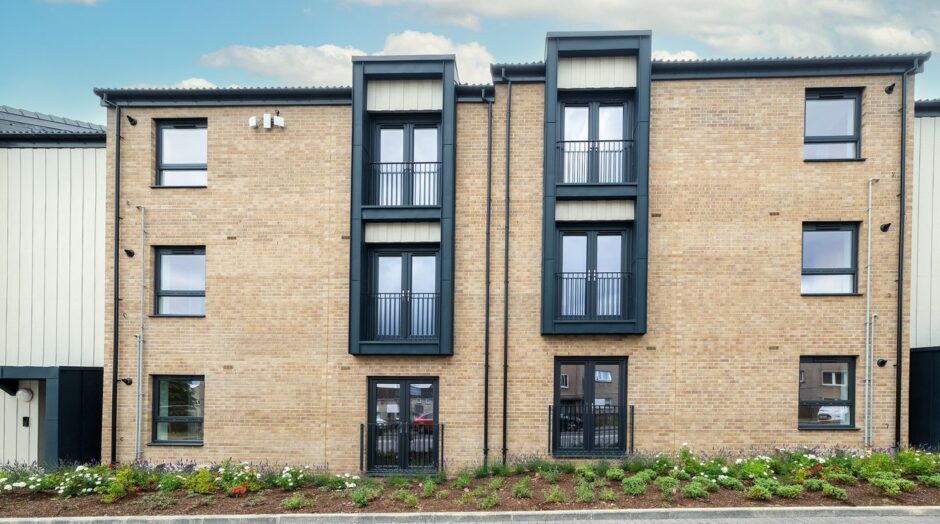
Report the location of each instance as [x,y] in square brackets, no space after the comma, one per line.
[589,417]
[180,281]
[178,404]
[830,259]
[593,281]
[403,302]
[594,146]
[182,150]
[827,395]
[403,424]
[408,171]
[831,129]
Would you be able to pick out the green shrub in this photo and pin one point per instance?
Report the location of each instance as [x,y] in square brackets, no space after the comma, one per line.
[153,502]
[680,474]
[489,501]
[647,475]
[601,482]
[294,502]
[706,483]
[428,488]
[730,483]
[667,486]
[499,470]
[522,489]
[242,476]
[913,462]
[362,495]
[891,483]
[566,467]
[555,495]
[295,478]
[615,474]
[833,492]
[601,468]
[169,482]
[397,482]
[584,492]
[874,464]
[843,478]
[478,492]
[789,492]
[112,492]
[462,481]
[772,485]
[466,498]
[932,481]
[757,492]
[482,471]
[634,485]
[519,469]
[586,472]
[695,490]
[497,483]
[551,475]
[201,482]
[442,494]
[406,497]
[814,484]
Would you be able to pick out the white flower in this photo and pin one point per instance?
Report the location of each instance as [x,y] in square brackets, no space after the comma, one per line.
[350,484]
[724,469]
[7,487]
[355,477]
[19,484]
[739,461]
[81,468]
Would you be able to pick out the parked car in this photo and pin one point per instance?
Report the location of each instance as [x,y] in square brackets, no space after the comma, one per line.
[570,422]
[424,423]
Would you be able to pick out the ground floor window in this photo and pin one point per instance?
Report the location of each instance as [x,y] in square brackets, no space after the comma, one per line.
[178,404]
[403,427]
[589,415]
[827,392]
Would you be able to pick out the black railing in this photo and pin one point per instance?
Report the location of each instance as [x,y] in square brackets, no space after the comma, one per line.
[397,184]
[596,162]
[593,295]
[401,316]
[401,447]
[576,428]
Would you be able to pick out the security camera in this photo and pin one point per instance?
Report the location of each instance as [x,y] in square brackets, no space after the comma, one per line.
[882,362]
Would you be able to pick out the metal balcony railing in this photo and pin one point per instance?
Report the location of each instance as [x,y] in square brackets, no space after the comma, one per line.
[386,447]
[403,184]
[596,162]
[578,428]
[401,316]
[592,295]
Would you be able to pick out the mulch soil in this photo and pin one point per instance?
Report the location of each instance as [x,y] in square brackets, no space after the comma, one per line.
[318,501]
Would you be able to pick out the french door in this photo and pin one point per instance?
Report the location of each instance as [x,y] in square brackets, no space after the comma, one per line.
[408,170]
[593,144]
[589,414]
[405,293]
[593,282]
[403,424]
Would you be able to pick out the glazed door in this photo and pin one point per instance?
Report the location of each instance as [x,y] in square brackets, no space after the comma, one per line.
[403,426]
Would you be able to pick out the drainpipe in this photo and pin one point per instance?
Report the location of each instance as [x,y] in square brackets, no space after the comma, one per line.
[140,344]
[902,216]
[506,272]
[486,319]
[869,342]
[117,273]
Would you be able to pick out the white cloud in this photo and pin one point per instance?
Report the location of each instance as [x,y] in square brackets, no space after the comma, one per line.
[727,27]
[331,65]
[678,55]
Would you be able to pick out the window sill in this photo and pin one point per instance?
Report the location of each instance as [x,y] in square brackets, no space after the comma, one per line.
[828,428]
[832,294]
[816,160]
[176,316]
[193,444]
[177,187]
[589,454]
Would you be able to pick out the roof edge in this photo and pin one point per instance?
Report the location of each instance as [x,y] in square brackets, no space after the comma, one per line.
[225,96]
[927,108]
[405,58]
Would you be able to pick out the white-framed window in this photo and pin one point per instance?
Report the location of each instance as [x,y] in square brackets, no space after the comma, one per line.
[563,381]
[602,376]
[833,378]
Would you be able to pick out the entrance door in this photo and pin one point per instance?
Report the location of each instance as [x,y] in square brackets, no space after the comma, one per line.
[403,425]
[589,412]
[925,398]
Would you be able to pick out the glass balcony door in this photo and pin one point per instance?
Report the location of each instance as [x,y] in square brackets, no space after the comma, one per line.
[593,282]
[408,169]
[405,295]
[403,425]
[594,149]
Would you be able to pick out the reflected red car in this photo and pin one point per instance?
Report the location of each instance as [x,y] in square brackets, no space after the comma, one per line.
[424,423]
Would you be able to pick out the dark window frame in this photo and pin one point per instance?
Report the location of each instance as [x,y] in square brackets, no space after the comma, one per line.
[594,100]
[852,227]
[590,364]
[374,251]
[155,418]
[404,382]
[158,293]
[592,230]
[176,123]
[408,123]
[855,138]
[850,362]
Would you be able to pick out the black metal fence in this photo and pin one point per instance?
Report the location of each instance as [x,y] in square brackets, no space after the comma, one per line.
[396,184]
[577,428]
[596,162]
[401,446]
[593,295]
[401,316]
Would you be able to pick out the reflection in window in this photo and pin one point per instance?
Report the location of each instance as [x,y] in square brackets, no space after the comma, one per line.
[181,281]
[831,127]
[178,409]
[829,259]
[826,391]
[183,153]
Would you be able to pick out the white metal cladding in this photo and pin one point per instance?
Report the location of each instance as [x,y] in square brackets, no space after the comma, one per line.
[52,256]
[594,210]
[17,443]
[402,232]
[596,72]
[925,262]
[405,95]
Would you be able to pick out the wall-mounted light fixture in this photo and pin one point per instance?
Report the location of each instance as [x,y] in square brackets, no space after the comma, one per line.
[127,381]
[268,121]
[129,253]
[131,120]
[24,394]
[889,89]
[885,227]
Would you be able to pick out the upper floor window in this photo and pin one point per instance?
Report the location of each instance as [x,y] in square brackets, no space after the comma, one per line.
[593,283]
[830,259]
[182,148]
[594,145]
[403,302]
[408,171]
[832,130]
[180,281]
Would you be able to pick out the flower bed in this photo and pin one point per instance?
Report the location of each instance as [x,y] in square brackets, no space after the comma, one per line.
[782,478]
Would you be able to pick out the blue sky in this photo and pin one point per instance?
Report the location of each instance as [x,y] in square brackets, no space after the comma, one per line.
[56,51]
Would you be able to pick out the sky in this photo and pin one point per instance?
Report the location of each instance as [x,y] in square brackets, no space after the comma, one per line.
[56,51]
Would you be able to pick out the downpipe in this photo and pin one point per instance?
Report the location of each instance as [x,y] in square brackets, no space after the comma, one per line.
[138,450]
[869,342]
[506,276]
[486,319]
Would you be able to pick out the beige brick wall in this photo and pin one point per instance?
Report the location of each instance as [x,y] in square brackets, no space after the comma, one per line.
[724,278]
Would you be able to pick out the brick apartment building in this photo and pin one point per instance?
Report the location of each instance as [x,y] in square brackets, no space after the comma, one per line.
[598,253]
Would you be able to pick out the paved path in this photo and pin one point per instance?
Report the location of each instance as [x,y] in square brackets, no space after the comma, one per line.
[768,520]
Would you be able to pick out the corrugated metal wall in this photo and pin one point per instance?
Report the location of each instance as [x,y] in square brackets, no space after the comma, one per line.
[402,232]
[593,210]
[596,72]
[925,270]
[17,443]
[52,256]
[404,95]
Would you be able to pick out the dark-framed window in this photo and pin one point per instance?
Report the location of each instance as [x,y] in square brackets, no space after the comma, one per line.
[404,284]
[594,279]
[832,124]
[180,281]
[182,153]
[407,166]
[178,409]
[827,392]
[589,414]
[595,140]
[830,258]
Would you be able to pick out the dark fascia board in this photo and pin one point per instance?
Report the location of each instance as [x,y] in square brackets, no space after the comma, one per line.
[597,34]
[51,140]
[927,107]
[530,72]
[224,97]
[788,67]
[475,93]
[405,58]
